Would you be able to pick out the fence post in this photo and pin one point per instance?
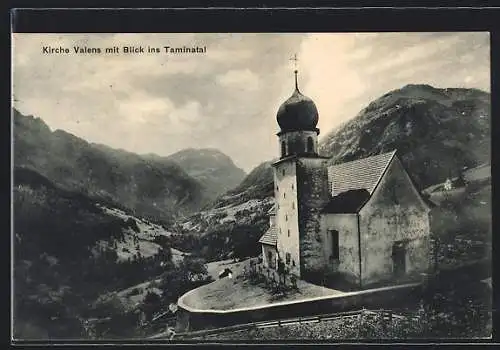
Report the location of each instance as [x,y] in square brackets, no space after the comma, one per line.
[360,319]
[391,325]
[385,322]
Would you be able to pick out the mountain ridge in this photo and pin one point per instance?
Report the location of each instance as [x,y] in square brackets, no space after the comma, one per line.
[210,166]
[451,124]
[155,188]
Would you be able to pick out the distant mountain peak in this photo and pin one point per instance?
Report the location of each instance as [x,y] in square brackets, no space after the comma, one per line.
[211,166]
[159,189]
[199,152]
[150,184]
[418,86]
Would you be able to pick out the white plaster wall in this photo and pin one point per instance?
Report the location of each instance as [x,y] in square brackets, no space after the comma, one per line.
[384,220]
[347,226]
[285,191]
[272,220]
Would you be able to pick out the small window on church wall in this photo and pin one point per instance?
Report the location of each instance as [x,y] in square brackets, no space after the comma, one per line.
[293,263]
[293,205]
[284,194]
[334,234]
[288,232]
[286,217]
[292,186]
[288,258]
[310,144]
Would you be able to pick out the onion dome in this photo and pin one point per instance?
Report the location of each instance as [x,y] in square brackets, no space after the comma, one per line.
[298,112]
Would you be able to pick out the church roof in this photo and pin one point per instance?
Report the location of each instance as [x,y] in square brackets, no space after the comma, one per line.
[359,174]
[347,202]
[298,112]
[354,182]
[270,237]
[272,211]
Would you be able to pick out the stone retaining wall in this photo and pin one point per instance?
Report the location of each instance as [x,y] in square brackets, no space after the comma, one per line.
[190,319]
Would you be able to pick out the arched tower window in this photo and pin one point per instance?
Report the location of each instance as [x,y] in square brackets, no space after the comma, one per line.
[310,145]
[283,148]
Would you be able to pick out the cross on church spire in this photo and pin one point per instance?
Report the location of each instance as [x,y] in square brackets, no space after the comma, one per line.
[296,60]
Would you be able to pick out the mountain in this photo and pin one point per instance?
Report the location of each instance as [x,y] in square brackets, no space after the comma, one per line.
[437,132]
[256,185]
[64,256]
[215,170]
[232,225]
[72,255]
[60,223]
[150,186]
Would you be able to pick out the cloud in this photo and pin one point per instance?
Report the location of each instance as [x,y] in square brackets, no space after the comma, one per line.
[331,81]
[142,108]
[347,71]
[242,79]
[228,97]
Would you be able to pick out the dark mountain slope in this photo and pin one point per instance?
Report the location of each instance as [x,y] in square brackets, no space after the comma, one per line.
[234,223]
[153,189]
[58,266]
[437,131]
[256,185]
[71,254]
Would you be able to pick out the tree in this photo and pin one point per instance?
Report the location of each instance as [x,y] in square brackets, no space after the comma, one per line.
[164,255]
[281,271]
[172,285]
[176,281]
[460,181]
[194,268]
[293,280]
[240,249]
[151,303]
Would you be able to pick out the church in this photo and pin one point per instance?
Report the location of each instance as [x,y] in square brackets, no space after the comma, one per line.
[363,221]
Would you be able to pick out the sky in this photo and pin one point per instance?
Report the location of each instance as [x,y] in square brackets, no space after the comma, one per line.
[227,98]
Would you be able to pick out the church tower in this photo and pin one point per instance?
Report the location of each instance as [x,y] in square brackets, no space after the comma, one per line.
[301,186]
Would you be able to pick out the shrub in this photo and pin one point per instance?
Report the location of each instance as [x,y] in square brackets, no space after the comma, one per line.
[131,223]
[135,291]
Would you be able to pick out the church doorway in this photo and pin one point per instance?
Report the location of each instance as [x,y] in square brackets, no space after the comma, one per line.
[399,259]
[334,237]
